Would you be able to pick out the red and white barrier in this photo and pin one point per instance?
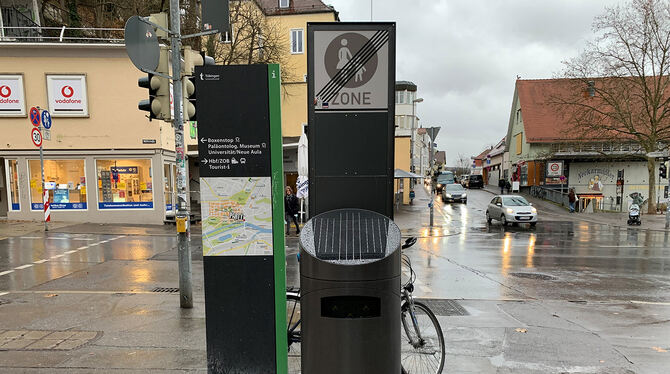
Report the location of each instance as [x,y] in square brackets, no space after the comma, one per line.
[47,206]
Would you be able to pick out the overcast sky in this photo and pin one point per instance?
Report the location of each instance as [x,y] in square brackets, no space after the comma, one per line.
[465,55]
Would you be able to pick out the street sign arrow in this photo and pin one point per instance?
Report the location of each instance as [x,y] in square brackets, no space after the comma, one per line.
[204,161]
[204,140]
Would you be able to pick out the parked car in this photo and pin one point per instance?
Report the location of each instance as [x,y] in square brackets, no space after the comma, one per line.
[475,181]
[443,180]
[452,193]
[511,209]
[464,180]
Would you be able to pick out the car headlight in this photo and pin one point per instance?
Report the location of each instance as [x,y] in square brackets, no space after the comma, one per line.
[510,211]
[448,195]
[533,210]
[439,185]
[464,195]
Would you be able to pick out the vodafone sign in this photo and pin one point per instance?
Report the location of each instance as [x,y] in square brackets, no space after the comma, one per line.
[12,98]
[67,95]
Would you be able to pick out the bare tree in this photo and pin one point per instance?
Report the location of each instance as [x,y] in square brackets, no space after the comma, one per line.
[619,85]
[462,164]
[253,39]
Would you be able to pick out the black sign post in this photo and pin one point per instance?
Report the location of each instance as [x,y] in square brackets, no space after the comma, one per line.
[351,75]
[241,179]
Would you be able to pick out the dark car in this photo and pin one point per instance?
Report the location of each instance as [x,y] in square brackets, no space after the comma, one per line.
[443,180]
[475,181]
[454,193]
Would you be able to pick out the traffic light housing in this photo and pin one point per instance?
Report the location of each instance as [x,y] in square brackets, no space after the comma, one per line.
[188,94]
[158,104]
[663,171]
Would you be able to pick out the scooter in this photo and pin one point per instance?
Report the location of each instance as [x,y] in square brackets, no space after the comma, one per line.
[634,215]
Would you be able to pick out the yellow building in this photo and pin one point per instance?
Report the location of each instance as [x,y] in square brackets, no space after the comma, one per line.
[292,17]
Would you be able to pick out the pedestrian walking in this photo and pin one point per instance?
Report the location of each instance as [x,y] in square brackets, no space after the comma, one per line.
[501,184]
[291,210]
[508,186]
[572,199]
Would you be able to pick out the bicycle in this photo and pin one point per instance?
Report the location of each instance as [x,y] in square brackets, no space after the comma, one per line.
[423,345]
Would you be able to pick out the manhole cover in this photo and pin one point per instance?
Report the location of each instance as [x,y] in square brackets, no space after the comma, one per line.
[444,307]
[166,289]
[539,276]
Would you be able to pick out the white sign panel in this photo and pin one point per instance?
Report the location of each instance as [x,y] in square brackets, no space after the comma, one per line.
[554,168]
[351,70]
[12,96]
[67,95]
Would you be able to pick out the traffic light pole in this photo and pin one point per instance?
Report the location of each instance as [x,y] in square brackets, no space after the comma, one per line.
[183,216]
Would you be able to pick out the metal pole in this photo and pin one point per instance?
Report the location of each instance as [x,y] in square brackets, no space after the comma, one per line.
[183,249]
[432,182]
[46,225]
[411,141]
[370,10]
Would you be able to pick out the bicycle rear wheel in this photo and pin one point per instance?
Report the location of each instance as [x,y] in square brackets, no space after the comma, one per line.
[293,319]
[425,355]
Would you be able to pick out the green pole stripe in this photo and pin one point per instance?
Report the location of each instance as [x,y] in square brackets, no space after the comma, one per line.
[276,154]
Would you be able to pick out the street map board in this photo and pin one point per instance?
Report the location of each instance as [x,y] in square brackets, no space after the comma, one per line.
[236,216]
[242,208]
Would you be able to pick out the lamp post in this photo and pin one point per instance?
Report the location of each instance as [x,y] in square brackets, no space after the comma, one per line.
[411,142]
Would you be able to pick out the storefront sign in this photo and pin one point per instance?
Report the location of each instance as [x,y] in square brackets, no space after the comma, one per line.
[124,169]
[130,205]
[12,96]
[148,141]
[596,178]
[60,206]
[67,95]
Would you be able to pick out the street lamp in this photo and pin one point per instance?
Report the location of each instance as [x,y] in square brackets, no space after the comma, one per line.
[411,145]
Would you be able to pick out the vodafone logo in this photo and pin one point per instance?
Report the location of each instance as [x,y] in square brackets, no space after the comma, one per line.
[5,91]
[67,91]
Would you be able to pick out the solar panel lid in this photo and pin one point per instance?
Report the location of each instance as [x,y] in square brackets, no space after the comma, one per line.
[348,235]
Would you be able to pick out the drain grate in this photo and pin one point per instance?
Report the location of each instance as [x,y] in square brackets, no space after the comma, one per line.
[444,307]
[166,289]
[539,276]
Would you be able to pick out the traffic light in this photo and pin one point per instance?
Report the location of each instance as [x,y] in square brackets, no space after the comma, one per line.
[188,93]
[158,104]
[662,171]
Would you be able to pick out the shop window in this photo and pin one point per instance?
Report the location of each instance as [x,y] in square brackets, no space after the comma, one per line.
[13,183]
[124,184]
[64,180]
[169,188]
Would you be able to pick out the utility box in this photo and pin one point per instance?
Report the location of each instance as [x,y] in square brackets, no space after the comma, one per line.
[350,284]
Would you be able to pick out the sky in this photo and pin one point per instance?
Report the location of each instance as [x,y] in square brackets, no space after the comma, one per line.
[465,56]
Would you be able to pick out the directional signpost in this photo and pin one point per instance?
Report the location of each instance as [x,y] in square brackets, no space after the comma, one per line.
[241,180]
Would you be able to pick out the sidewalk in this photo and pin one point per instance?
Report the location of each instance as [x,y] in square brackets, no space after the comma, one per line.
[615,219]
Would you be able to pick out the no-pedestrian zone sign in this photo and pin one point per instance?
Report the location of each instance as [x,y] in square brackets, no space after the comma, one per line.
[36,137]
[46,119]
[35,116]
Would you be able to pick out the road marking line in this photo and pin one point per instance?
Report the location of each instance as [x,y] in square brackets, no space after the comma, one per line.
[72,251]
[43,237]
[23,267]
[40,261]
[639,302]
[6,272]
[57,256]
[84,247]
[4,293]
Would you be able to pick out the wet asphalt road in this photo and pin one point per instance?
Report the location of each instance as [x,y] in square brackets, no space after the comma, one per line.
[589,298]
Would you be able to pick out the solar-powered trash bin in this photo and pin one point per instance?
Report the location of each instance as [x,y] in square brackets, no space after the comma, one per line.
[350,284]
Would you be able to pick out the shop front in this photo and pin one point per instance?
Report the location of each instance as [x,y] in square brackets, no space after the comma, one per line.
[97,187]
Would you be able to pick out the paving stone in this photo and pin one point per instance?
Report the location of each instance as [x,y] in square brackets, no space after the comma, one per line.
[71,344]
[12,334]
[36,334]
[17,344]
[61,335]
[45,344]
[84,335]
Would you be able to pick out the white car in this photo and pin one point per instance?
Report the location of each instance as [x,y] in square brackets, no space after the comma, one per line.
[511,209]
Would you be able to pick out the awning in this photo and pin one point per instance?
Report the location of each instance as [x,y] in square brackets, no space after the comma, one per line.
[399,173]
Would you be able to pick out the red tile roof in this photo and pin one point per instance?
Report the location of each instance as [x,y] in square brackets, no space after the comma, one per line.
[542,123]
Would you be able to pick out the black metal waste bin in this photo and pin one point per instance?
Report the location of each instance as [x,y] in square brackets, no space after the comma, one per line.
[350,284]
